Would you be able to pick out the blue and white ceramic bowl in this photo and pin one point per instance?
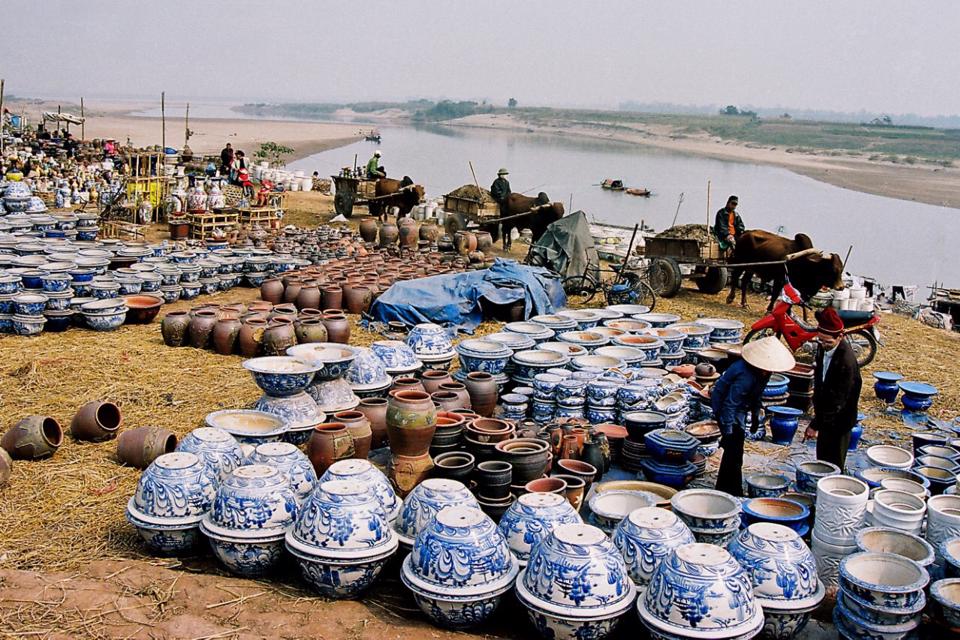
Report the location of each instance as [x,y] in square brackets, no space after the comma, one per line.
[513,341]
[483,355]
[645,537]
[174,486]
[697,336]
[363,472]
[766,485]
[248,426]
[850,626]
[586,339]
[428,339]
[280,375]
[595,363]
[289,460]
[946,593]
[700,591]
[331,359]
[880,616]
[602,393]
[107,320]
[883,579]
[555,322]
[537,332]
[658,320]
[566,348]
[367,372]
[29,304]
[527,364]
[299,411]
[426,499]
[810,472]
[531,518]
[171,293]
[672,341]
[53,282]
[545,385]
[706,509]
[781,566]
[397,357]
[630,356]
[27,325]
[585,318]
[219,451]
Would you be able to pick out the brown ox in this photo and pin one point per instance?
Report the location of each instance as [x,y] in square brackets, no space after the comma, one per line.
[403,194]
[808,274]
[544,213]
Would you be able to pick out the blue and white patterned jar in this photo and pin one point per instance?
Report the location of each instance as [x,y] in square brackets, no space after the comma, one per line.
[428,339]
[423,503]
[289,460]
[563,411]
[543,411]
[599,415]
[483,355]
[531,519]
[645,537]
[363,472]
[602,393]
[545,385]
[783,570]
[219,451]
[571,392]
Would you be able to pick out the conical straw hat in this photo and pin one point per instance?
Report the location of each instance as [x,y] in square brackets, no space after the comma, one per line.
[769,354]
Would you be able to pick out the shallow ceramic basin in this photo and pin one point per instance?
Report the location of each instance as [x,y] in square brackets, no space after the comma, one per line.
[248,426]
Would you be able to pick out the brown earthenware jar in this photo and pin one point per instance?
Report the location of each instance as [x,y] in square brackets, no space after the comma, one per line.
[360,430]
[461,391]
[389,233]
[429,231]
[310,330]
[331,297]
[484,240]
[432,379]
[225,335]
[285,310]
[174,328]
[465,242]
[278,337]
[271,290]
[329,443]
[338,327]
[368,229]
[411,422]
[406,472]
[376,411]
[6,467]
[201,328]
[408,233]
[33,438]
[292,290]
[96,421]
[357,298]
[141,446]
[250,336]
[309,295]
[447,400]
[408,383]
[483,392]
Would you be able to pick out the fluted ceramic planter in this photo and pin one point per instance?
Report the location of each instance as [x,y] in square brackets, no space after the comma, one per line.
[841,507]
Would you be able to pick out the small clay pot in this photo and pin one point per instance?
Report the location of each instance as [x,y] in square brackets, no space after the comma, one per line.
[338,327]
[331,297]
[432,379]
[6,467]
[174,328]
[389,233]
[584,470]
[456,465]
[225,335]
[461,391]
[408,383]
[310,330]
[250,336]
[141,446]
[376,411]
[96,421]
[330,442]
[360,430]
[483,391]
[546,485]
[271,290]
[309,295]
[33,438]
[446,400]
[575,489]
[368,229]
[278,337]
[201,328]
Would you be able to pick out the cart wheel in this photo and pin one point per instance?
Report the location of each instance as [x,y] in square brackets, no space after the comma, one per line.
[454,222]
[580,290]
[343,203]
[714,280]
[665,277]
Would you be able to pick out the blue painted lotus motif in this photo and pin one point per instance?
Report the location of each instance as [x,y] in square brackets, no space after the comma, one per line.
[779,563]
[426,499]
[343,515]
[174,486]
[531,519]
[254,498]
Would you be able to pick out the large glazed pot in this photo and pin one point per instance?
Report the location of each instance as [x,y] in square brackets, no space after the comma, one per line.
[225,334]
[363,472]
[329,443]
[407,472]
[201,327]
[174,328]
[483,391]
[531,519]
[645,537]
[411,422]
[219,451]
[33,438]
[278,337]
[423,503]
[250,336]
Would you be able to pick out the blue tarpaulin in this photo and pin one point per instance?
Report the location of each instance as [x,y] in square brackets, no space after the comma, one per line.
[453,300]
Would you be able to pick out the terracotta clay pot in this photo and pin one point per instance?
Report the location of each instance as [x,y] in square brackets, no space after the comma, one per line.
[446,400]
[360,430]
[547,485]
[357,298]
[389,233]
[432,379]
[483,392]
[368,229]
[429,231]
[338,327]
[33,438]
[278,337]
[174,328]
[465,242]
[569,450]
[292,290]
[408,233]
[225,335]
[201,328]
[309,295]
[406,472]
[271,290]
[310,330]
[411,422]
[461,390]
[375,409]
[250,336]
[96,421]
[484,241]
[141,446]
[6,467]
[408,383]
[331,297]
[329,443]
[286,310]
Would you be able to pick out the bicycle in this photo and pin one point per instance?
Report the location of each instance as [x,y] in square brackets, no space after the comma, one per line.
[628,287]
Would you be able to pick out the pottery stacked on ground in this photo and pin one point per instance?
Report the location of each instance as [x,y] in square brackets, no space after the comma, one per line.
[532,518]
[330,388]
[645,537]
[880,595]
[712,516]
[431,344]
[671,454]
[411,420]
[841,509]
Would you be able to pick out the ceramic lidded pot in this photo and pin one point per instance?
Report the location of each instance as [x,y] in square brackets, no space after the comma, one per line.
[531,518]
[645,537]
[253,508]
[363,472]
[172,497]
[341,538]
[423,503]
[575,584]
[291,461]
[459,568]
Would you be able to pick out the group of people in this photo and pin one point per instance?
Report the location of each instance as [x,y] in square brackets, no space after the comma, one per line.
[233,164]
[737,395]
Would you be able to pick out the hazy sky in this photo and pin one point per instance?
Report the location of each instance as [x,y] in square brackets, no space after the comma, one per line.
[845,55]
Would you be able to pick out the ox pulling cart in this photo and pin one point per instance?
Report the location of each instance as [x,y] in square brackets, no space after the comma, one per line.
[350,191]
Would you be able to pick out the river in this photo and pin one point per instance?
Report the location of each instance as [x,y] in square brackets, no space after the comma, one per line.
[894,241]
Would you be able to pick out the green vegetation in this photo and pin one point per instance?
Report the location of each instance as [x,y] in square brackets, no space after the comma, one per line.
[272,153]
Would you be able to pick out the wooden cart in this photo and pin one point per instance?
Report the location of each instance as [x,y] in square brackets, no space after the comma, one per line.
[350,191]
[703,262]
[462,211]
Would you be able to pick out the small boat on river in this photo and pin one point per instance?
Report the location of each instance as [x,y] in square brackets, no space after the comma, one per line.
[612,184]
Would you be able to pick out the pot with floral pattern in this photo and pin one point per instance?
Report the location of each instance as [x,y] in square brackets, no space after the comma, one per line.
[531,519]
[292,462]
[645,537]
[423,503]
[363,472]
[218,451]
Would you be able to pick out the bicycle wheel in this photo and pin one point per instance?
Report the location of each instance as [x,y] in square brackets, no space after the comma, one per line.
[580,290]
[864,346]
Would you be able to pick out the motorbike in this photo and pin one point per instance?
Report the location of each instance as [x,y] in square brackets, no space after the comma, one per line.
[860,330]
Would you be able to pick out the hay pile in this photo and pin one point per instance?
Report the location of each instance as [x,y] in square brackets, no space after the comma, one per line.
[471,191]
[698,232]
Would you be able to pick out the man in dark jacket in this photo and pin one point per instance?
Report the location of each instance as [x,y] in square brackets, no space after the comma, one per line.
[728,227]
[226,159]
[836,390]
[737,392]
[500,190]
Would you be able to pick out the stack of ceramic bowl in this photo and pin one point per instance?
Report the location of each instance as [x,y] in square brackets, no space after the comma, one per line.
[555,322]
[544,404]
[527,364]
[253,508]
[172,497]
[432,345]
[940,465]
[28,319]
[713,516]
[330,390]
[881,596]
[341,539]
[943,524]
[483,434]
[696,336]
[601,400]
[423,503]
[576,584]
[483,355]
[532,330]
[248,426]
[638,424]
[363,472]
[219,452]
[707,432]
[700,591]
[841,508]
[881,540]
[586,319]
[645,537]
[724,331]
[399,360]
[896,510]
[367,375]
[459,567]
[671,454]
[531,519]
[571,396]
[784,576]
[513,341]
[283,380]
[671,354]
[104,315]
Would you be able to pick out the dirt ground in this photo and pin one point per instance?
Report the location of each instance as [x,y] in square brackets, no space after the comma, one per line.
[71,567]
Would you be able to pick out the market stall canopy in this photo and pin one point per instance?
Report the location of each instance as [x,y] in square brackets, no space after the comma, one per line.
[567,246]
[52,116]
[453,300]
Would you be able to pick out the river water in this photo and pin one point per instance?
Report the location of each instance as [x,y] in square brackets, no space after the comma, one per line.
[894,241]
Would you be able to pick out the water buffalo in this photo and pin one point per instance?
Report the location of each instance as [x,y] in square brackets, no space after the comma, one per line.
[544,213]
[403,194]
[808,274]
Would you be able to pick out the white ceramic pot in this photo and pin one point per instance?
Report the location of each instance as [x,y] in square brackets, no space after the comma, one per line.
[841,507]
[882,540]
[898,510]
[883,455]
[943,521]
[828,557]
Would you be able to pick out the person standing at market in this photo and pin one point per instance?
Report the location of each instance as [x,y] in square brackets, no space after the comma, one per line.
[374,170]
[728,226]
[739,391]
[226,159]
[500,190]
[836,390]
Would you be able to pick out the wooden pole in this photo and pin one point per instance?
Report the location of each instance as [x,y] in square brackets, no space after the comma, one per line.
[849,251]
[626,258]
[708,205]
[163,121]
[186,127]
[571,203]
[1,115]
[83,127]
[476,182]
[677,213]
